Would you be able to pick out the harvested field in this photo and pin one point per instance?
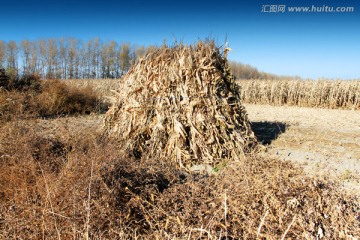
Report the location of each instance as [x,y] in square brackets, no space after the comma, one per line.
[344,94]
[325,142]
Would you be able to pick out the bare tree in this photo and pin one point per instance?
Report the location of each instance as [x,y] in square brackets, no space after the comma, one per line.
[25,47]
[139,52]
[33,63]
[12,53]
[51,57]
[88,67]
[124,58]
[96,58]
[2,54]
[63,56]
[111,53]
[104,60]
[42,57]
[72,56]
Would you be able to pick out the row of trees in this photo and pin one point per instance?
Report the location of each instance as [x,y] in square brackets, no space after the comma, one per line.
[72,58]
[246,71]
[68,58]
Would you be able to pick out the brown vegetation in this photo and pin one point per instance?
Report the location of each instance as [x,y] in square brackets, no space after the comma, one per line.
[28,82]
[102,87]
[32,98]
[56,98]
[320,93]
[85,187]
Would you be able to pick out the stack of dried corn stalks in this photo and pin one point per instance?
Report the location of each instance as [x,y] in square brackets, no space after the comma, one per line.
[181,104]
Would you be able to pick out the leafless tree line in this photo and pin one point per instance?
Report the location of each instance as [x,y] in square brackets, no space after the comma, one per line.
[68,58]
[71,58]
[246,71]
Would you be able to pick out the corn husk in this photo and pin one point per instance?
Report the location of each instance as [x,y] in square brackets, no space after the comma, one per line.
[181,104]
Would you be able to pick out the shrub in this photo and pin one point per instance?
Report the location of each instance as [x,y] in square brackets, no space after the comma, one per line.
[24,83]
[47,99]
[27,82]
[56,98]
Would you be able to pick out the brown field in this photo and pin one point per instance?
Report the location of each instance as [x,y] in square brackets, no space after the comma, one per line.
[324,142]
[332,94]
[62,179]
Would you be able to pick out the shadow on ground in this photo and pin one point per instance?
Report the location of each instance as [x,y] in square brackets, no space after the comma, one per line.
[266,132]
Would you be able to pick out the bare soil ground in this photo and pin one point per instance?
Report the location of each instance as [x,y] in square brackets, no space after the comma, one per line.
[325,142]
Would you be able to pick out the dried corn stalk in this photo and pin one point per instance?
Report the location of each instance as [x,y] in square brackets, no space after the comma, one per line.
[181,104]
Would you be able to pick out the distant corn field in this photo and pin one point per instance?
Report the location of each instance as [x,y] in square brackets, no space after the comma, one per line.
[304,93]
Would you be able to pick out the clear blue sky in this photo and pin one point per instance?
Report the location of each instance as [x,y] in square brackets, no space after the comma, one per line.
[310,45]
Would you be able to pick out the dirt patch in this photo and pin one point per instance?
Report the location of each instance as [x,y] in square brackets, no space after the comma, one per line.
[325,142]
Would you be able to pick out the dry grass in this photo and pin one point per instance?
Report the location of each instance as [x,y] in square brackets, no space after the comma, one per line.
[304,93]
[49,99]
[14,104]
[82,186]
[57,98]
[102,87]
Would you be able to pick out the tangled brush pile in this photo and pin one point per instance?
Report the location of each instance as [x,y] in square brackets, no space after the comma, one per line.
[181,104]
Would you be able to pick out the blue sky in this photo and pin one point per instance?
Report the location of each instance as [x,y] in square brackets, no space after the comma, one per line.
[310,45]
